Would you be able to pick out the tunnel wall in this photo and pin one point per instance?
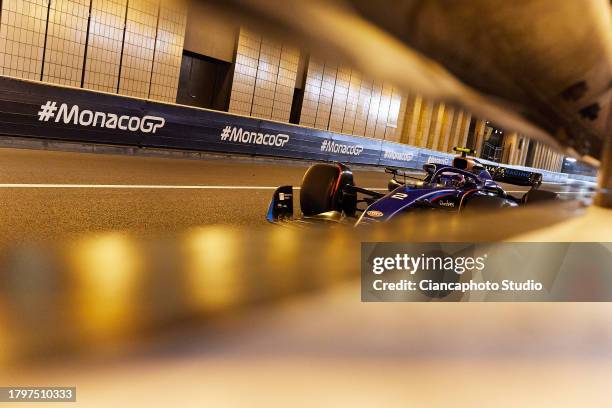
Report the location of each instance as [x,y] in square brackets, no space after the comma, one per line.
[35,110]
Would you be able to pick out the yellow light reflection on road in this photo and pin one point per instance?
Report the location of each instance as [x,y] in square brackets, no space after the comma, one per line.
[284,249]
[6,345]
[213,277]
[333,268]
[107,269]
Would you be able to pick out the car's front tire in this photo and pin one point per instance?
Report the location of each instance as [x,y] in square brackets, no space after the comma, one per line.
[319,189]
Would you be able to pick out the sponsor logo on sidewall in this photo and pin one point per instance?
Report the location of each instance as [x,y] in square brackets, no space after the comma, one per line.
[341,148]
[85,117]
[238,135]
[401,156]
[437,160]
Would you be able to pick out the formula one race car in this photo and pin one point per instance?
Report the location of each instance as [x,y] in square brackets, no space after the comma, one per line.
[328,193]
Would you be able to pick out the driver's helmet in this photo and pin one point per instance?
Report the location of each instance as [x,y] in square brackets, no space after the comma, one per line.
[453,180]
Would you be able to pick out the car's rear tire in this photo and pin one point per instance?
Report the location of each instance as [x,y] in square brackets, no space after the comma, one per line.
[486,203]
[538,196]
[318,193]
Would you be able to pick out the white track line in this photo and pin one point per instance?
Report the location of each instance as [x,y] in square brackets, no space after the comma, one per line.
[184,187]
[558,192]
[137,186]
[148,186]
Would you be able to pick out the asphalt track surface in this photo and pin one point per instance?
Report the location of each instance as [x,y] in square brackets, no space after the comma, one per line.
[327,341]
[51,194]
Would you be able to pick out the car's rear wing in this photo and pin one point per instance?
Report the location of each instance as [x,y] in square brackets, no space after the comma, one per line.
[513,176]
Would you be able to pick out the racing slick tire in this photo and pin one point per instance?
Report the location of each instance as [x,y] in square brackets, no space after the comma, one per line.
[486,203]
[538,196]
[318,191]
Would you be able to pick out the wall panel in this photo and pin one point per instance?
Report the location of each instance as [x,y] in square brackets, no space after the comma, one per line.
[285,83]
[363,107]
[22,37]
[264,77]
[66,35]
[382,118]
[104,45]
[395,119]
[138,48]
[372,116]
[339,99]
[312,92]
[245,72]
[168,51]
[326,98]
[352,103]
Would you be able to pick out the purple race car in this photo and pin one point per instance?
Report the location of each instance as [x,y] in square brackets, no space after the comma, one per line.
[328,193]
